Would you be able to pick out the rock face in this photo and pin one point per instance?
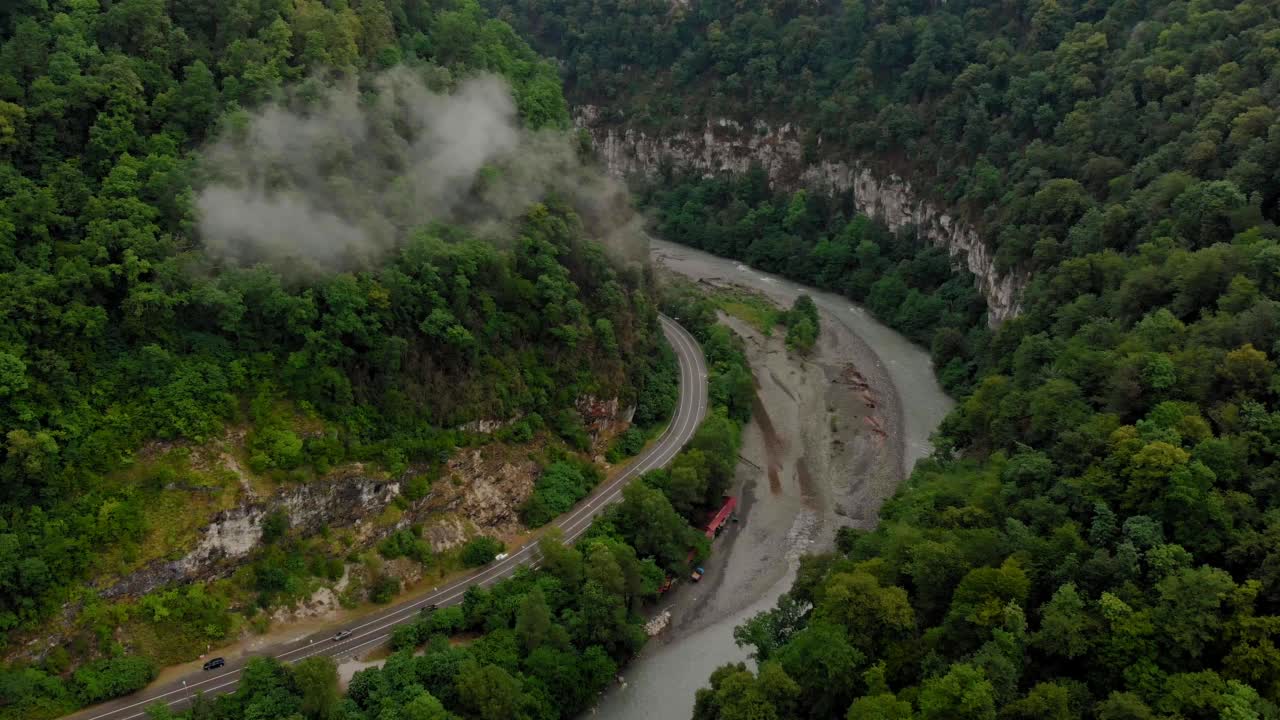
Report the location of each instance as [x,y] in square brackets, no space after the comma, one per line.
[725,145]
[605,419]
[341,501]
[480,491]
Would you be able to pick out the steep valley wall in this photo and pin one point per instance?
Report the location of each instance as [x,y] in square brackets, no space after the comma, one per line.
[725,145]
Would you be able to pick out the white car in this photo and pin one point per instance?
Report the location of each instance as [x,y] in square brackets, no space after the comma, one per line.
[500,556]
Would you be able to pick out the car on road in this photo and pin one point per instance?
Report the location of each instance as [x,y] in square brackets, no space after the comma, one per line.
[214,664]
[500,556]
[342,635]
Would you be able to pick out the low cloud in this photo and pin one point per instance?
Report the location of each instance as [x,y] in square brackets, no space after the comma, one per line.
[335,178]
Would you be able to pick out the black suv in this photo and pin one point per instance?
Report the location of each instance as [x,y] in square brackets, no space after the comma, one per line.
[214,664]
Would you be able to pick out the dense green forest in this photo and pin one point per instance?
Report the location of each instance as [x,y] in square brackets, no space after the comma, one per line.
[825,242]
[1061,128]
[1098,535]
[117,328]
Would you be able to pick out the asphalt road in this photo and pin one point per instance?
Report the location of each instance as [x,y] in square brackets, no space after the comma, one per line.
[374,630]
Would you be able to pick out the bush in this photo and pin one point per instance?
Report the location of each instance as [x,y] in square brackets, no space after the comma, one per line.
[523,430]
[405,543]
[384,588]
[416,487]
[406,636]
[274,526]
[111,678]
[275,447]
[480,550]
[57,661]
[802,335]
[802,324]
[330,568]
[561,485]
[804,307]
[446,621]
[632,441]
[568,425]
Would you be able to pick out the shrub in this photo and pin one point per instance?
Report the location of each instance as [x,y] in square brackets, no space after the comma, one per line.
[406,636]
[384,588]
[405,543]
[632,441]
[446,621]
[561,485]
[112,677]
[802,335]
[568,425]
[274,526]
[416,487]
[480,550]
[275,447]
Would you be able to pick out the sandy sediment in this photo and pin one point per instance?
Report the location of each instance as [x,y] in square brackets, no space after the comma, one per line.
[885,400]
[815,456]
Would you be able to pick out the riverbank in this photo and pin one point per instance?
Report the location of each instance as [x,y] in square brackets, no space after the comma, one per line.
[831,438]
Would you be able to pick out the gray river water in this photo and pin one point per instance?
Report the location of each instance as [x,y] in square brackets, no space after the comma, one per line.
[662,680]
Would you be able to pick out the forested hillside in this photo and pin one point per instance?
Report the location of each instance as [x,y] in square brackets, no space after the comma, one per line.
[547,641]
[118,326]
[824,241]
[1099,534]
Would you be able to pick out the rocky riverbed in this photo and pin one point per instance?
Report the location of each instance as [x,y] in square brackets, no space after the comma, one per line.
[832,436]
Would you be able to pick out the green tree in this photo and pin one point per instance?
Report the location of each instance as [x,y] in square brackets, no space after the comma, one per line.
[533,620]
[488,692]
[480,550]
[317,682]
[963,692]
[1066,628]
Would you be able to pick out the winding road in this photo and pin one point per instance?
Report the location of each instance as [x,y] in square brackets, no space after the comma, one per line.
[375,629]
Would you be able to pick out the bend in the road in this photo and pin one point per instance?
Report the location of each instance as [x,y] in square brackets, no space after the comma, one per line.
[376,629]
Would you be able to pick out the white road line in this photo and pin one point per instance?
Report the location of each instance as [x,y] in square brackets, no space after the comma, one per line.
[681,429]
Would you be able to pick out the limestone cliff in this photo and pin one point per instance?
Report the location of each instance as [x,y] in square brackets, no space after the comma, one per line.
[724,145]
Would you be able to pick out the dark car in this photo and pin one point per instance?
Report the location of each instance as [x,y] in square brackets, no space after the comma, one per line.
[342,635]
[214,664]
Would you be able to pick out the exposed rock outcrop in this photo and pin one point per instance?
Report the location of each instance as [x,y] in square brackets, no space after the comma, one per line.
[481,490]
[604,419]
[725,145]
[342,501]
[488,427]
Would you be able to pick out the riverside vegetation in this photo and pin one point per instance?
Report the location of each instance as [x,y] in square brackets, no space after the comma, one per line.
[1098,534]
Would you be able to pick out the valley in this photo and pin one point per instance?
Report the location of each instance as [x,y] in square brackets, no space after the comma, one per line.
[550,359]
[811,464]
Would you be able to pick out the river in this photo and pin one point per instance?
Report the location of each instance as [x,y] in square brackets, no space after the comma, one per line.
[748,572]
